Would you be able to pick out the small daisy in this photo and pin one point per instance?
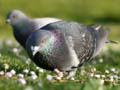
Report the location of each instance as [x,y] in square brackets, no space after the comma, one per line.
[49,77]
[20,75]
[22,81]
[25,71]
[32,73]
[13,72]
[2,72]
[8,74]
[34,77]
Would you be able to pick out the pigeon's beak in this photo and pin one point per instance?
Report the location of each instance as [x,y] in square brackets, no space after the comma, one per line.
[8,21]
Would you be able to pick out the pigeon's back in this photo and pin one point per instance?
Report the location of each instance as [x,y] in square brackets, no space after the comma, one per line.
[40,22]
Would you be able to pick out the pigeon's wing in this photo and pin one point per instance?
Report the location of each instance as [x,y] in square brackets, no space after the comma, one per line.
[96,26]
[87,40]
[82,36]
[40,22]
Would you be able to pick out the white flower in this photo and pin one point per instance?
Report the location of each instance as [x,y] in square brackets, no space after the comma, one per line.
[56,70]
[91,74]
[20,75]
[41,70]
[2,72]
[49,77]
[13,72]
[97,75]
[72,78]
[25,71]
[101,60]
[113,69]
[103,76]
[93,70]
[115,76]
[58,78]
[28,61]
[107,71]
[32,73]
[22,81]
[16,51]
[34,77]
[37,68]
[6,66]
[111,78]
[8,74]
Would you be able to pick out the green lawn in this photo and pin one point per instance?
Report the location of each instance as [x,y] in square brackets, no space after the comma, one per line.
[101,73]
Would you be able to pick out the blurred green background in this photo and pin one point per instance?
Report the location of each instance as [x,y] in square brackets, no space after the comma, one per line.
[104,12]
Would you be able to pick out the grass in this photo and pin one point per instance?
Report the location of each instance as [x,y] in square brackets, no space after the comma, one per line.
[107,60]
[104,67]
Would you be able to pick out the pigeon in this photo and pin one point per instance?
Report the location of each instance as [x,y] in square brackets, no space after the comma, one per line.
[23,26]
[64,46]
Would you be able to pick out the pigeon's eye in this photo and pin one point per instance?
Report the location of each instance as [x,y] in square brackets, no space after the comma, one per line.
[43,40]
[14,16]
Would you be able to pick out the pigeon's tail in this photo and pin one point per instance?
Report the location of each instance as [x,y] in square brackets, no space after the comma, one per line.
[101,38]
[99,28]
[111,41]
[103,32]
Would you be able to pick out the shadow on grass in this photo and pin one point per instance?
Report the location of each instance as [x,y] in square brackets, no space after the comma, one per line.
[107,19]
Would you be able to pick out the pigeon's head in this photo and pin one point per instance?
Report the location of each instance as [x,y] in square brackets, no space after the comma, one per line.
[15,16]
[40,41]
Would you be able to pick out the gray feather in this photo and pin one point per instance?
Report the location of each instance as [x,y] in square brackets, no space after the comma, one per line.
[72,46]
[96,27]
[23,26]
[82,41]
